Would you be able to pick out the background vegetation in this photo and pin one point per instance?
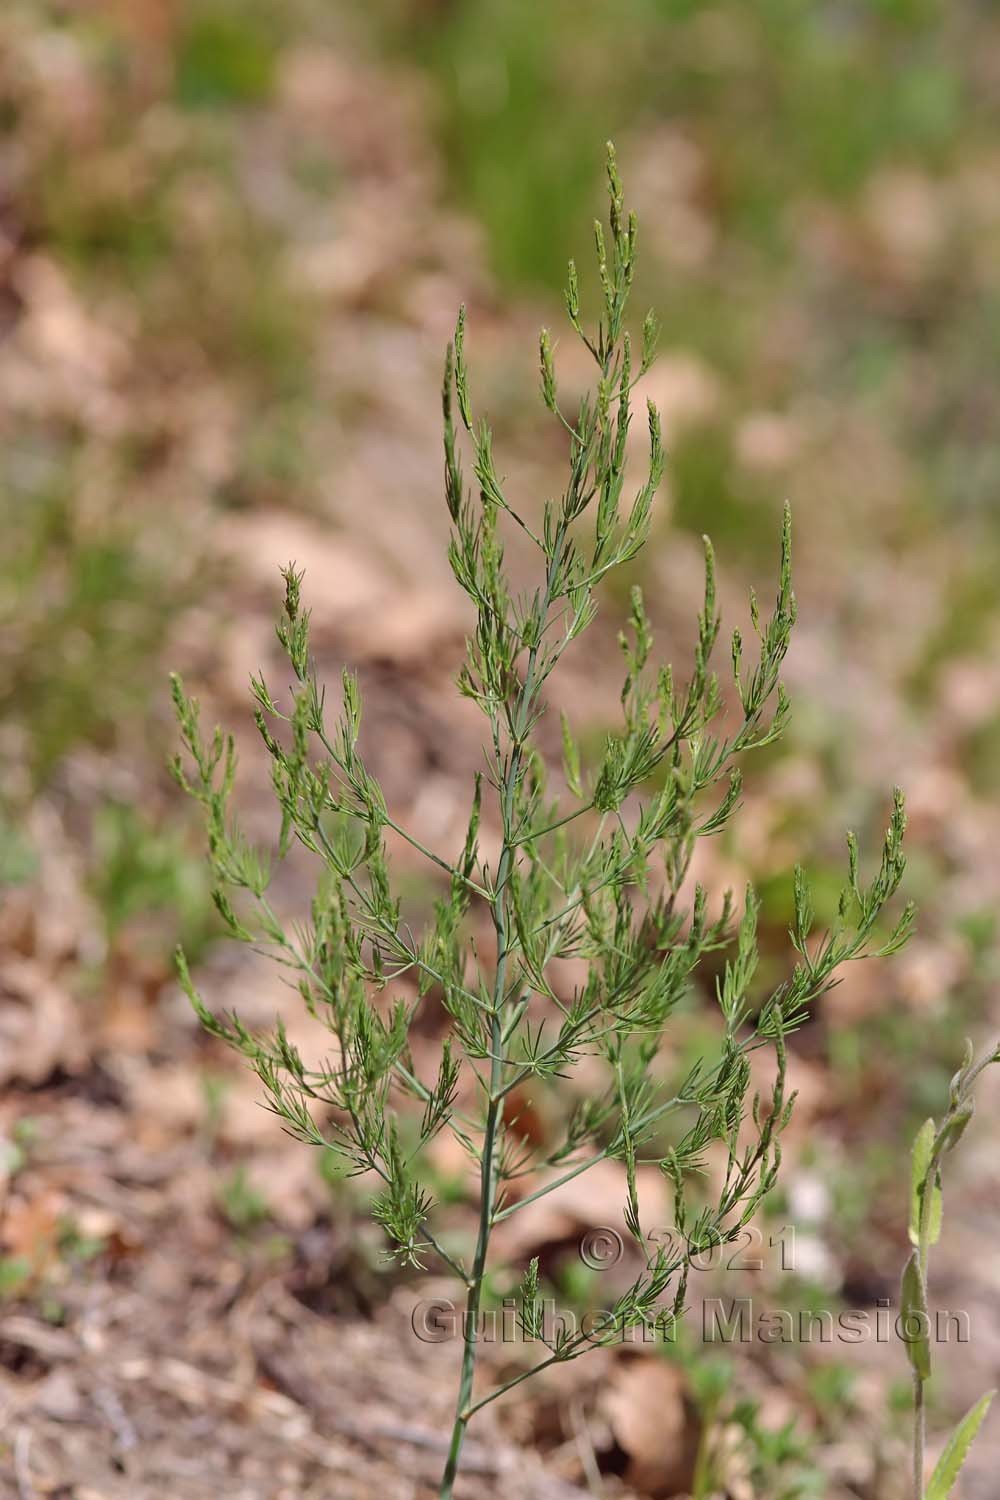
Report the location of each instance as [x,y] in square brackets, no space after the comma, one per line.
[232,240]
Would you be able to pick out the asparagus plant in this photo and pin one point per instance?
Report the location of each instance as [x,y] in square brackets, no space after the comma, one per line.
[593,864]
[932,1145]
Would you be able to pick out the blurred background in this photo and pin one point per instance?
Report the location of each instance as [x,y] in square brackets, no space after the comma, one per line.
[233,238]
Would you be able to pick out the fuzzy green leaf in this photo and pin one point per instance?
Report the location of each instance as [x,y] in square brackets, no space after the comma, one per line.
[914,1319]
[947,1469]
[923,1146]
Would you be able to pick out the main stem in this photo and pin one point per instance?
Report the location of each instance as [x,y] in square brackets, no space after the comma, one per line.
[923,1259]
[923,1255]
[919,1436]
[494,1108]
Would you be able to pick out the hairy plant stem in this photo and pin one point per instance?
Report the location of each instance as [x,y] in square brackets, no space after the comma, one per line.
[925,1226]
[923,1257]
[494,1109]
[919,1432]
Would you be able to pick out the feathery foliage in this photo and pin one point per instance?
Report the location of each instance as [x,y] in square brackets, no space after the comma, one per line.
[597,870]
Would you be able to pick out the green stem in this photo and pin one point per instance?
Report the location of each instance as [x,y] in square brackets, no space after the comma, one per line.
[462,1411]
[540,833]
[509,1385]
[494,1110]
[919,1436]
[923,1248]
[436,859]
[414,843]
[923,1259]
